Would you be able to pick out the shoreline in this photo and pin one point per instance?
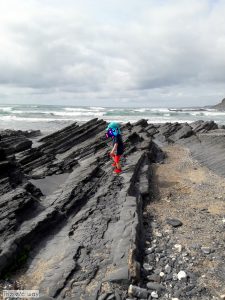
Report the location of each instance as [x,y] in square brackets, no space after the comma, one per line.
[62,192]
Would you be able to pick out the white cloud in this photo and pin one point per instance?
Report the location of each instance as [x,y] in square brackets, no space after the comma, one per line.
[141,52]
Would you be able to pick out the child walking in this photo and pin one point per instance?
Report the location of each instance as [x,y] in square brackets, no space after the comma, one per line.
[113,130]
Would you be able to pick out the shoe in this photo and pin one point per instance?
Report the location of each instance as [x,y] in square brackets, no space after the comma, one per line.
[114,165]
[117,171]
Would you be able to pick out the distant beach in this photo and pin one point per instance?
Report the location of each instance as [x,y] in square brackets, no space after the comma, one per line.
[49,118]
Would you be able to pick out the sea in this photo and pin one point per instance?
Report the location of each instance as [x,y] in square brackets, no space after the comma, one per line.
[49,118]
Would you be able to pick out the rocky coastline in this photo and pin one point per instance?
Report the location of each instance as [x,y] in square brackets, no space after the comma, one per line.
[73,230]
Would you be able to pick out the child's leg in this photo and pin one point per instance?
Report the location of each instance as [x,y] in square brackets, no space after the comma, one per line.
[112,156]
[117,161]
[118,166]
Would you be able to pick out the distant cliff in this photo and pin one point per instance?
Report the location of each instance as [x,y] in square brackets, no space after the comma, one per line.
[220,106]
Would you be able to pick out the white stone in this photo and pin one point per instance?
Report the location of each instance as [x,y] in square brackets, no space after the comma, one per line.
[161,274]
[181,275]
[158,234]
[154,295]
[178,247]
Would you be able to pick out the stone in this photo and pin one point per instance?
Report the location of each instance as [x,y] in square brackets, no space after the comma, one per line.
[175,277]
[206,250]
[168,269]
[178,247]
[154,295]
[135,291]
[184,132]
[181,275]
[104,296]
[118,275]
[161,274]
[150,250]
[154,277]
[155,286]
[174,222]
[147,267]
[111,297]
[151,257]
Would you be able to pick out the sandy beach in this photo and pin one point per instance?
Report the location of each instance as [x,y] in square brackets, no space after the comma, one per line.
[73,230]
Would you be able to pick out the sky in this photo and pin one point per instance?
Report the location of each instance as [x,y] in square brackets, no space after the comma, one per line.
[148,53]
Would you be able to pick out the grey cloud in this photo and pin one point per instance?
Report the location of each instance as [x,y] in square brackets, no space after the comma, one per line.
[72,52]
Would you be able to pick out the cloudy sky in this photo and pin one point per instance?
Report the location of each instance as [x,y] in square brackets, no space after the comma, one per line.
[112,52]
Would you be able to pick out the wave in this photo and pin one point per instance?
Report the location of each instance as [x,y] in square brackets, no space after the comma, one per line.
[75,109]
[15,118]
[78,113]
[5,109]
[97,108]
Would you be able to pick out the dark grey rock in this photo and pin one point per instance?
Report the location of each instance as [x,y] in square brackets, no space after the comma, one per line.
[147,267]
[184,132]
[151,257]
[154,277]
[104,296]
[155,286]
[174,222]
[142,123]
[168,269]
[111,297]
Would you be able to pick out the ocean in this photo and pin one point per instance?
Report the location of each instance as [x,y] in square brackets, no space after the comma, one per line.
[48,118]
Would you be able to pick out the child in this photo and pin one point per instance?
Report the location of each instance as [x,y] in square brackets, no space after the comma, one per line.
[113,130]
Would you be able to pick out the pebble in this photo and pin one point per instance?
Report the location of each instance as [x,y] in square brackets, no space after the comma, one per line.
[178,247]
[206,250]
[150,250]
[154,277]
[174,222]
[151,257]
[161,274]
[222,296]
[181,275]
[157,271]
[154,295]
[158,234]
[168,269]
[147,267]
[155,286]
[137,291]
